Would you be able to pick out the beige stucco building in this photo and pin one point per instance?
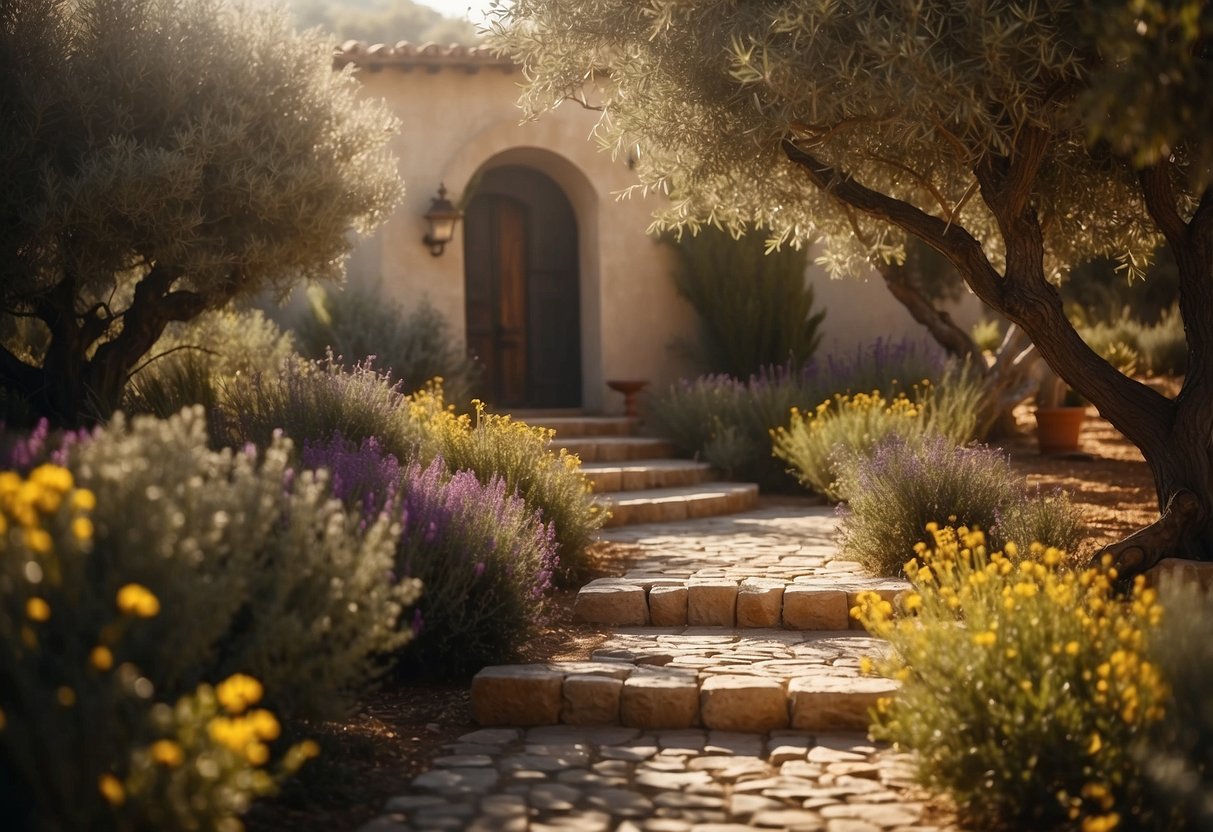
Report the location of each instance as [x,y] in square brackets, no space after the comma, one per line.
[551,278]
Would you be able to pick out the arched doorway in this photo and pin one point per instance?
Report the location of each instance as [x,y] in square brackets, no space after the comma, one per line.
[522,289]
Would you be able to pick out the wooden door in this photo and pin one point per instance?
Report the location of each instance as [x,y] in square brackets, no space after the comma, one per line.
[523,314]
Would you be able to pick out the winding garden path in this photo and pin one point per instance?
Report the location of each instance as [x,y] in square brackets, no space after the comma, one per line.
[727,695]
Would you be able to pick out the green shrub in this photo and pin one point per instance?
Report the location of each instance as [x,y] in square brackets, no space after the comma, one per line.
[907,483]
[258,570]
[493,445]
[728,422]
[755,309]
[1176,756]
[484,558]
[86,739]
[360,325]
[987,335]
[313,402]
[1163,347]
[850,425]
[193,361]
[1023,686]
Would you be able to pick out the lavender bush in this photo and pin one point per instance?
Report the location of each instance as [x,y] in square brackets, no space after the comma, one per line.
[727,421]
[908,482]
[312,401]
[484,558]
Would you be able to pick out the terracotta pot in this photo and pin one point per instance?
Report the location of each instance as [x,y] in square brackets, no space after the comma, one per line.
[1057,428]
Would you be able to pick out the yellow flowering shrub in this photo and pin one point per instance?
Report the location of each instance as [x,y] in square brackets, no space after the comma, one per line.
[815,443]
[83,742]
[495,445]
[1024,684]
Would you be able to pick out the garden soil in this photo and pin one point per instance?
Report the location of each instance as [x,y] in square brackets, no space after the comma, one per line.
[370,756]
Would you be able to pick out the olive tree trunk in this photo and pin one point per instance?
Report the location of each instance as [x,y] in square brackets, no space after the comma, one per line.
[1174,436]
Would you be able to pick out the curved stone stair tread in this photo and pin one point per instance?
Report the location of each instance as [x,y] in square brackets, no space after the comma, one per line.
[609,477]
[581,426]
[751,682]
[661,505]
[614,448]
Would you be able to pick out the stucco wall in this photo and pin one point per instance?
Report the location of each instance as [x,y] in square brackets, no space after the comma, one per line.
[457,123]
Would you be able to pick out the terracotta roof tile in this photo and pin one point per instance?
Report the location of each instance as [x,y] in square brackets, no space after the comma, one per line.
[408,56]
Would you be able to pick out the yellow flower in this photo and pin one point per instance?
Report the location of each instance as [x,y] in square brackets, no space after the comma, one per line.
[257,753]
[101,658]
[913,602]
[1095,744]
[52,477]
[82,528]
[1101,823]
[38,541]
[309,749]
[84,500]
[66,696]
[1072,648]
[36,609]
[986,639]
[111,789]
[865,666]
[238,692]
[138,600]
[167,753]
[264,724]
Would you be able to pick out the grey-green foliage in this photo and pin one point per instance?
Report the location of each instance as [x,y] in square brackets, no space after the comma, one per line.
[907,96]
[313,401]
[257,571]
[193,151]
[1176,757]
[194,360]
[895,489]
[1160,348]
[381,21]
[755,309]
[359,324]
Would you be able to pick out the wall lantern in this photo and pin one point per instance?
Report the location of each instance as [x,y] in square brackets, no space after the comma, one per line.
[442,217]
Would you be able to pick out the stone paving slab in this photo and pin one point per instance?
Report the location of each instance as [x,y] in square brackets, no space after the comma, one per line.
[783,561]
[635,780]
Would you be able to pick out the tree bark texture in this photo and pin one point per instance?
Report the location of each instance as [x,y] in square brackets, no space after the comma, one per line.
[88,362]
[1175,437]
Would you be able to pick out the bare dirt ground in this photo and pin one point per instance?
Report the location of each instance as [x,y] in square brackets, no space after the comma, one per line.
[370,756]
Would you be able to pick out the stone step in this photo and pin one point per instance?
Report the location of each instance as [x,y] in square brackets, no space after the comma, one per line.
[615,448]
[753,682]
[642,474]
[584,426]
[799,604]
[665,505]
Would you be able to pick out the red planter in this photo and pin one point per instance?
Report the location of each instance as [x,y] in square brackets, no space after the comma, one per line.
[1057,428]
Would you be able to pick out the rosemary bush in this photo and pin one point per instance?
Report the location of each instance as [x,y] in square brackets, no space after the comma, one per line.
[907,483]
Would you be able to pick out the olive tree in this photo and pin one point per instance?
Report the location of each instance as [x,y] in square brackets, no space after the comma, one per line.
[162,158]
[1016,137]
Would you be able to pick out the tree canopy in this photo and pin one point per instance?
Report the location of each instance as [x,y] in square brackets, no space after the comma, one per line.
[1018,138]
[909,97]
[164,157]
